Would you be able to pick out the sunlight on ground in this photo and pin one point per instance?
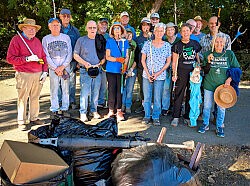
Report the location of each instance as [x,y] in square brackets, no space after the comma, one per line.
[242,166]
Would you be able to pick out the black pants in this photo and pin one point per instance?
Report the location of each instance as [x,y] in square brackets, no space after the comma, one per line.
[182,84]
[114,91]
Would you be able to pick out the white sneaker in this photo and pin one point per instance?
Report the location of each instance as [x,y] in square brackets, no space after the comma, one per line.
[96,115]
[175,122]
[84,118]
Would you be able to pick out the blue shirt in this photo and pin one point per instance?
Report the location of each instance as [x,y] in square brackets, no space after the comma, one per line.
[117,49]
[192,36]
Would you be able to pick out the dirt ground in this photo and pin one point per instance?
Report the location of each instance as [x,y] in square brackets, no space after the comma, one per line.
[225,161]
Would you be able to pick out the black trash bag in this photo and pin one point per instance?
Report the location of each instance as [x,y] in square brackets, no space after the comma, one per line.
[62,179]
[149,165]
[91,164]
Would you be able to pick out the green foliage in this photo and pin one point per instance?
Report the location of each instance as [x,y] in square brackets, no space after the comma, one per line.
[233,14]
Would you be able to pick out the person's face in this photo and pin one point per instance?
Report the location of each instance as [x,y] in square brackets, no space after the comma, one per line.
[154,20]
[145,27]
[102,27]
[170,31]
[55,27]
[193,25]
[159,32]
[212,24]
[219,44]
[129,36]
[117,30]
[91,29]
[198,26]
[124,20]
[65,18]
[185,32]
[29,31]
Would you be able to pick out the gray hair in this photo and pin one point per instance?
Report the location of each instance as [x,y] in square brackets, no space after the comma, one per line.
[221,35]
[160,25]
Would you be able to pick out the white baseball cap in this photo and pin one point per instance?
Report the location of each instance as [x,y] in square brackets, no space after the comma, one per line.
[124,14]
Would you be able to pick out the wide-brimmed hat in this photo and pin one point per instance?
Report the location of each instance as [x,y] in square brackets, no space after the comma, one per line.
[225,97]
[204,22]
[29,22]
[123,30]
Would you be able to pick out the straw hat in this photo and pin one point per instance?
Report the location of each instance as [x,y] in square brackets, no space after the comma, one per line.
[29,22]
[123,30]
[204,22]
[225,97]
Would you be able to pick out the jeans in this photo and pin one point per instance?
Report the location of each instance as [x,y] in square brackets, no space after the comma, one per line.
[89,88]
[103,88]
[127,95]
[208,103]
[55,83]
[166,93]
[72,84]
[149,89]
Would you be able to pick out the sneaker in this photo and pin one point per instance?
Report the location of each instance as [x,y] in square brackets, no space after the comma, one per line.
[175,122]
[187,122]
[128,110]
[220,132]
[84,118]
[65,113]
[145,121]
[37,122]
[156,122]
[111,113]
[203,128]
[119,116]
[60,112]
[139,110]
[22,127]
[164,112]
[95,115]
[53,115]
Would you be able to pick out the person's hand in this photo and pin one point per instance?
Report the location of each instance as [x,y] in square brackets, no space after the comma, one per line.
[210,57]
[227,82]
[120,59]
[87,65]
[43,77]
[156,75]
[130,73]
[59,70]
[32,58]
[174,78]
[124,68]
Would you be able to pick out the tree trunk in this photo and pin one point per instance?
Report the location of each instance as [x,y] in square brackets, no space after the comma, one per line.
[156,7]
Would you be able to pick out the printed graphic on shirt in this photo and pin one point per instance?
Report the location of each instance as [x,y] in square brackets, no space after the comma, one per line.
[58,49]
[189,55]
[218,63]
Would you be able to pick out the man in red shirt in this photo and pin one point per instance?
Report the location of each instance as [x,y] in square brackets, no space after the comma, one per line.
[31,71]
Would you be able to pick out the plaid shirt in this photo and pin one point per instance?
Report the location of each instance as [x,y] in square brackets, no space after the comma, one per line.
[206,43]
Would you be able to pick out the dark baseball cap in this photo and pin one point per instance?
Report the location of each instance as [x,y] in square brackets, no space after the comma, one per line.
[53,19]
[103,19]
[65,11]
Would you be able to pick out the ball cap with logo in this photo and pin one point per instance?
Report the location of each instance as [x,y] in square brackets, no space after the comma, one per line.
[225,97]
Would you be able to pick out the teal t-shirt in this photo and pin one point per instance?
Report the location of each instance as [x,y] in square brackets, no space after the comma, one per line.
[217,74]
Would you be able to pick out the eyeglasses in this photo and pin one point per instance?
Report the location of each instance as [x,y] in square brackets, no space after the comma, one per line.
[92,27]
[30,28]
[117,28]
[66,16]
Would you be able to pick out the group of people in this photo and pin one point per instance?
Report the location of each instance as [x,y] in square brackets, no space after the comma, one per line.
[159,57]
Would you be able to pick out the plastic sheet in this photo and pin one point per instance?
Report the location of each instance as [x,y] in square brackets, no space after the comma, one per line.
[147,166]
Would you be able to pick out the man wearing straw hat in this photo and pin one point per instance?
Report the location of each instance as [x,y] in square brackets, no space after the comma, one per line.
[25,53]
[200,25]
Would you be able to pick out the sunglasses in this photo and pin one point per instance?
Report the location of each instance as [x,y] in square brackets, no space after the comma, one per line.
[66,16]
[117,28]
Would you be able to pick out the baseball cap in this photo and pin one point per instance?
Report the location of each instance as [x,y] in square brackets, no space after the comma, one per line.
[155,15]
[53,19]
[170,24]
[145,20]
[65,11]
[124,14]
[103,19]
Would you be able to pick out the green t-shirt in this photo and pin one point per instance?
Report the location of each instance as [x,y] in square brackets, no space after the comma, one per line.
[217,74]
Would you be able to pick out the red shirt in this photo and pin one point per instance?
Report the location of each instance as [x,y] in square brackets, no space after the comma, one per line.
[17,53]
